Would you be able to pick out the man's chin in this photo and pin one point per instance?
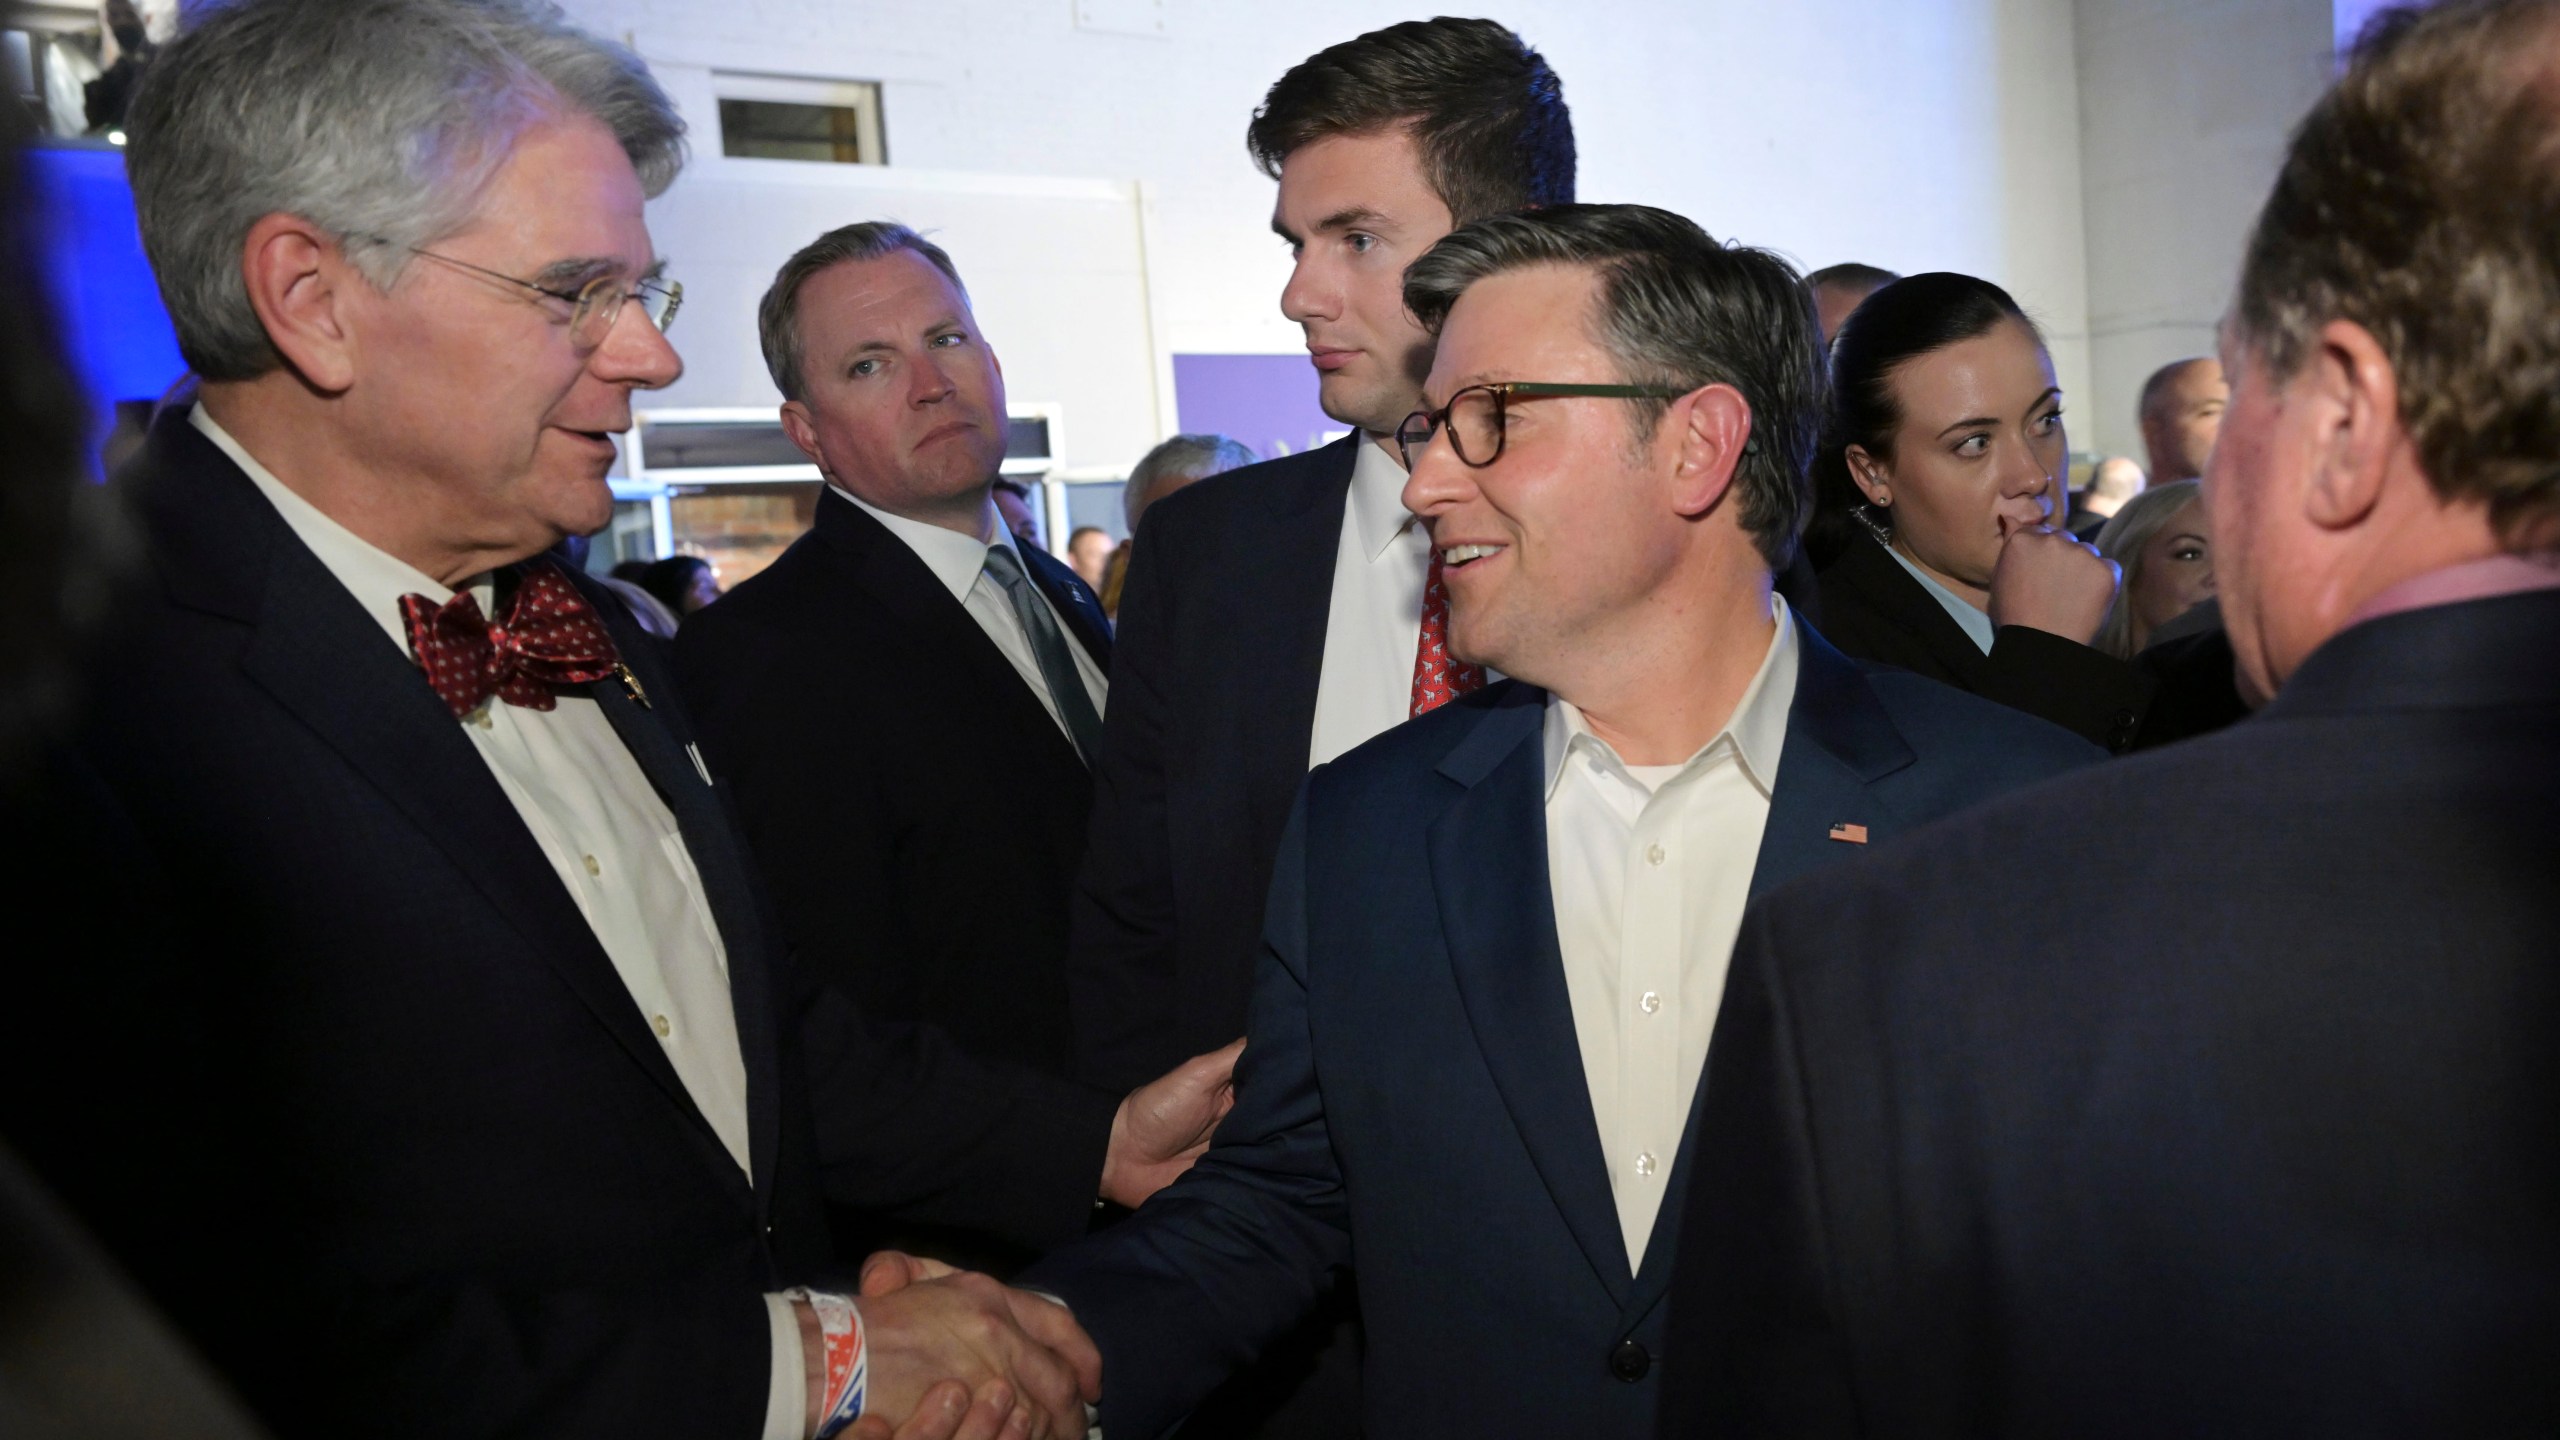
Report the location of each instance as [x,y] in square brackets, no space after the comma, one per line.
[1359,404]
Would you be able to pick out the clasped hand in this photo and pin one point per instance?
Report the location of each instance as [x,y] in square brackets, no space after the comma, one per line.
[957,1356]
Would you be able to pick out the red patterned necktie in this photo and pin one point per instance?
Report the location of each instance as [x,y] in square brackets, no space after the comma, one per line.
[545,636]
[1438,677]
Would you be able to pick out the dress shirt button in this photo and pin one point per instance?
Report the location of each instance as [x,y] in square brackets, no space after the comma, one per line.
[1651,1002]
[659,1024]
[592,867]
[1644,1162]
[1629,1361]
[480,717]
[1653,854]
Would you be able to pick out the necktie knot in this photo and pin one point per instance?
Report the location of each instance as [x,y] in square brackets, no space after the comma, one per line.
[545,636]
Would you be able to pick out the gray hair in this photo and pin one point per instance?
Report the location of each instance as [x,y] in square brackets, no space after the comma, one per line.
[1185,457]
[380,121]
[778,313]
[2127,534]
[1676,310]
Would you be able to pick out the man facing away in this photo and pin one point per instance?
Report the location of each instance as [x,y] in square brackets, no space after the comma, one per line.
[1497,936]
[2258,1140]
[442,1076]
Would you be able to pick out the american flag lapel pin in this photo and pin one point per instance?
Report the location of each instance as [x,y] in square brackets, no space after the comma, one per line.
[1849,834]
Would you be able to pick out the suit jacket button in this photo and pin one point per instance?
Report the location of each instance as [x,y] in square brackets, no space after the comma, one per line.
[1629,1362]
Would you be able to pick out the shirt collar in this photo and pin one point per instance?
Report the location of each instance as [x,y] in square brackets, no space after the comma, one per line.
[1975,624]
[955,559]
[2472,580]
[375,577]
[1758,728]
[1377,498]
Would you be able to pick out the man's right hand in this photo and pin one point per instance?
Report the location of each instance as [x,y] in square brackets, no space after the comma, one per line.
[2046,580]
[969,1328]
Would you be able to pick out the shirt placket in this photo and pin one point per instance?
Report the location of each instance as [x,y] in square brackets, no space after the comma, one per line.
[1648,981]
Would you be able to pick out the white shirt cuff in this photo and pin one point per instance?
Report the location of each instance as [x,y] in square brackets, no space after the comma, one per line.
[786,1406]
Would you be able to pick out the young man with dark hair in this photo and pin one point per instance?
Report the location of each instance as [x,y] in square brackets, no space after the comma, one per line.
[2257,1140]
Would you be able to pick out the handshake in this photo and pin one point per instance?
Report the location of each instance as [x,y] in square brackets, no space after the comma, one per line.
[956,1355]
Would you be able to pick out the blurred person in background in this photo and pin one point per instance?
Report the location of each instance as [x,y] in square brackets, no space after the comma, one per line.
[2181,413]
[1839,289]
[2112,482]
[648,610]
[2163,542]
[1021,516]
[1939,494]
[1168,467]
[2255,1140]
[682,583]
[1089,548]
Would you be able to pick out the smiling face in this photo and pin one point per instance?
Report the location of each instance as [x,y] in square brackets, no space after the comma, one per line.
[1980,452]
[1356,211]
[469,396]
[903,402]
[1572,529]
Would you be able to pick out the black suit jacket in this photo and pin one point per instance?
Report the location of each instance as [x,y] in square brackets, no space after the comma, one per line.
[1213,702]
[2257,1141]
[1874,610]
[917,813]
[367,1108]
[1412,1102]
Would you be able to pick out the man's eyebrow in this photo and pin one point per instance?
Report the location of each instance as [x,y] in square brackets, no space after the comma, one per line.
[943,326]
[580,271]
[1357,217]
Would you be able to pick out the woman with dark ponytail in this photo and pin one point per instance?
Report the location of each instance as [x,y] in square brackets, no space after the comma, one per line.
[1938,496]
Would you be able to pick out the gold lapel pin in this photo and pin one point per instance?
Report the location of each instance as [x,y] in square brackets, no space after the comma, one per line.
[631,684]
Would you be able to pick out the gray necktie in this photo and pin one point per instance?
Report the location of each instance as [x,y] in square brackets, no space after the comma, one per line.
[1057,666]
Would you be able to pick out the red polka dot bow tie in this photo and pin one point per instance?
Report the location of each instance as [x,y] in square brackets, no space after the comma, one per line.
[545,636]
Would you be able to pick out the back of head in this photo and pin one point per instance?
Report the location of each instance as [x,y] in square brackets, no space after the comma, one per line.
[2115,480]
[2420,200]
[380,121]
[1484,109]
[1898,324]
[1180,458]
[1676,310]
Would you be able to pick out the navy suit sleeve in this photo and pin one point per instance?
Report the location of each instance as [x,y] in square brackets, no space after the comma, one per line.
[1223,1261]
[1121,976]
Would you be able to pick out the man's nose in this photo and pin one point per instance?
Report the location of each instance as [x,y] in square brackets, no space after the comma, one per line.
[1440,480]
[1309,295]
[637,353]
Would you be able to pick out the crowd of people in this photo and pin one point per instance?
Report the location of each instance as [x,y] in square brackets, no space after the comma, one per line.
[1613,899]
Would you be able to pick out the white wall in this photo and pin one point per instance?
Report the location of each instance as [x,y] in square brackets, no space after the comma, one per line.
[2185,106]
[1914,134]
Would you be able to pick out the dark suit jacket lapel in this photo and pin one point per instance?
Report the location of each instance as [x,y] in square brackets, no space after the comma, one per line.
[1909,607]
[655,734]
[1840,742]
[1280,610]
[1074,601]
[1489,869]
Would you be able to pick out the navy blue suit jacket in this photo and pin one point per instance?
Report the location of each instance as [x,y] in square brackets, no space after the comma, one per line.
[2255,1138]
[345,1079]
[1412,1100]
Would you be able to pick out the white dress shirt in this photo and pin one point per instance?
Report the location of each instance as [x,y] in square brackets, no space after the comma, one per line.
[1649,868]
[1366,685]
[960,563]
[616,848]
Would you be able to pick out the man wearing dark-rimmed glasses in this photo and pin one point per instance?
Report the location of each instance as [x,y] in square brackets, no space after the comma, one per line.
[1497,935]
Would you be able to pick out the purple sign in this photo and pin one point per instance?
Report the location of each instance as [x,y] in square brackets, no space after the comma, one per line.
[1266,401]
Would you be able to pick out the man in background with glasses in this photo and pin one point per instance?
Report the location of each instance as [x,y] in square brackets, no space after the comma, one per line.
[1497,936]
[444,1077]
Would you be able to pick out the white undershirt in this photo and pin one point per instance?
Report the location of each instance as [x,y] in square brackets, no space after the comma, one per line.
[960,562]
[616,848]
[1649,868]
[1375,624]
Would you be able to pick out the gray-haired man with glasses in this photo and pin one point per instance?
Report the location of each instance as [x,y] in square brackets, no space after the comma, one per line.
[463,1089]
[1497,936]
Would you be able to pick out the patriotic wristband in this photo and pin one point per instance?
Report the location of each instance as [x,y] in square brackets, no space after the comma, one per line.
[848,1363]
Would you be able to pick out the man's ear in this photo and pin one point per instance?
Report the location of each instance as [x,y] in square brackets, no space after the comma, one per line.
[301,287]
[2354,397]
[1714,425]
[803,431]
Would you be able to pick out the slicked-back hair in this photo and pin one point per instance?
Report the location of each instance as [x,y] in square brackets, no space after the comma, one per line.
[1484,109]
[379,121]
[2420,199]
[1896,325]
[1676,309]
[778,313]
